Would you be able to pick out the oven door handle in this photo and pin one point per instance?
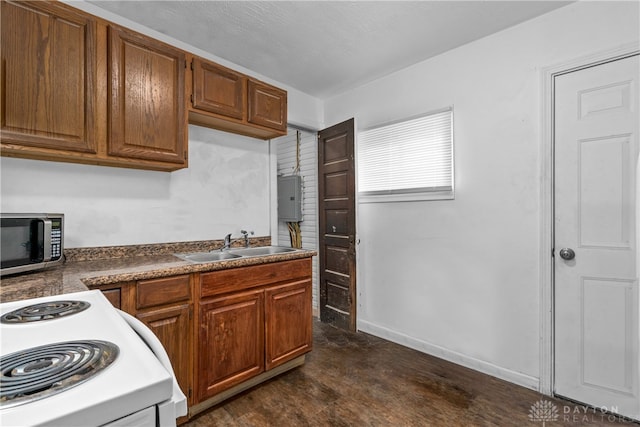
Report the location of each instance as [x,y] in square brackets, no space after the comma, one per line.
[178,398]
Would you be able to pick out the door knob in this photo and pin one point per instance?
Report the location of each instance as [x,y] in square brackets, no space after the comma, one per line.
[567,254]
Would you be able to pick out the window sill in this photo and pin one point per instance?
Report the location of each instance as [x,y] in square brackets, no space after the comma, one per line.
[407,197]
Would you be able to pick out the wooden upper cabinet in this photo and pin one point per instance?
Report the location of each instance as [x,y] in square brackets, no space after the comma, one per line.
[225,99]
[218,90]
[77,88]
[48,77]
[147,117]
[267,105]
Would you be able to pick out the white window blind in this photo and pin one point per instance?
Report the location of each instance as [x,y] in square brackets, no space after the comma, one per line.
[409,157]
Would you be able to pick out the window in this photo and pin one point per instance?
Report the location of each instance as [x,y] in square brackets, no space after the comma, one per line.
[408,160]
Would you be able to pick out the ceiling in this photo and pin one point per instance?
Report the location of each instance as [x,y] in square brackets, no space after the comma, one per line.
[323,48]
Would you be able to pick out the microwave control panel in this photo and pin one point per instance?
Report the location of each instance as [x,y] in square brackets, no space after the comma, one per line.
[56,239]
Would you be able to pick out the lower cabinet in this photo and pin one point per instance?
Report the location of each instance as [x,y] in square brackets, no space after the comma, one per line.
[172,326]
[231,346]
[252,319]
[288,327]
[248,321]
[165,306]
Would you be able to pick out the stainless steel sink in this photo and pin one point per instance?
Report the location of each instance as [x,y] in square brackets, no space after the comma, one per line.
[207,256]
[262,250]
[204,257]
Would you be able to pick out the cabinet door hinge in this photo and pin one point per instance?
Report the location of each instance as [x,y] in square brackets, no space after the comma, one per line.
[191,98]
[189,393]
[192,65]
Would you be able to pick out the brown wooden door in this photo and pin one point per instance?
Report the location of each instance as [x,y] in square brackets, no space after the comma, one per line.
[288,322]
[231,346]
[336,193]
[147,114]
[48,77]
[172,326]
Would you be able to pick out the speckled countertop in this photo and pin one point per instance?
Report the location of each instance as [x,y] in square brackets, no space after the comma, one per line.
[91,267]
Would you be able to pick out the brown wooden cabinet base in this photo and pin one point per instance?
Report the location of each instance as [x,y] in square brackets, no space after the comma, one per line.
[227,330]
[251,320]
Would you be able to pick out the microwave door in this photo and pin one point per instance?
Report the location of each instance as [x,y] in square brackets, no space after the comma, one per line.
[22,241]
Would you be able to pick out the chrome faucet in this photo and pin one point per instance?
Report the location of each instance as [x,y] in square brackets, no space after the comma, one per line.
[245,235]
[227,242]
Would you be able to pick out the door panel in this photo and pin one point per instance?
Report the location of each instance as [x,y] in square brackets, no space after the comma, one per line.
[337,221]
[336,191]
[597,330]
[614,297]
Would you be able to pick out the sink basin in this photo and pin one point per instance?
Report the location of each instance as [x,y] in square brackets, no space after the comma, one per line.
[208,256]
[213,256]
[262,250]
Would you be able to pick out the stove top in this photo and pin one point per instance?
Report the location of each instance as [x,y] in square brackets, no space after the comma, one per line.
[36,373]
[44,311]
[118,374]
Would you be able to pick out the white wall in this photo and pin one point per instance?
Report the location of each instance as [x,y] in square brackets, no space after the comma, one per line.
[460,278]
[225,189]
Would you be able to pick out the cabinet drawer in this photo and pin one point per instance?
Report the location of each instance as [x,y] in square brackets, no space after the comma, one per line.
[162,291]
[235,279]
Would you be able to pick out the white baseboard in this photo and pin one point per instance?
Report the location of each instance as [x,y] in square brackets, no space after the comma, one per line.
[449,355]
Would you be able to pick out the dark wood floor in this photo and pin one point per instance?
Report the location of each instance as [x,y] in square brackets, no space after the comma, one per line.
[355,379]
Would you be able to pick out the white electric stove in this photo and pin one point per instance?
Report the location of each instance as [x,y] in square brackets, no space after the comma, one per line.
[74,360]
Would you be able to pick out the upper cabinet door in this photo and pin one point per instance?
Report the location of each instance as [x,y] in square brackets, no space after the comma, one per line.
[218,90]
[267,105]
[48,77]
[147,115]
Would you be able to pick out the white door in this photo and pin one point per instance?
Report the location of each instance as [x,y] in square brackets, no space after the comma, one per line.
[597,330]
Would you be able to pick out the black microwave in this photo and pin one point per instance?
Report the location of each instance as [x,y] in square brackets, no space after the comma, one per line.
[30,242]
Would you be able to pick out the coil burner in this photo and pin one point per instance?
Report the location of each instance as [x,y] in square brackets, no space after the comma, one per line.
[45,311]
[38,372]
